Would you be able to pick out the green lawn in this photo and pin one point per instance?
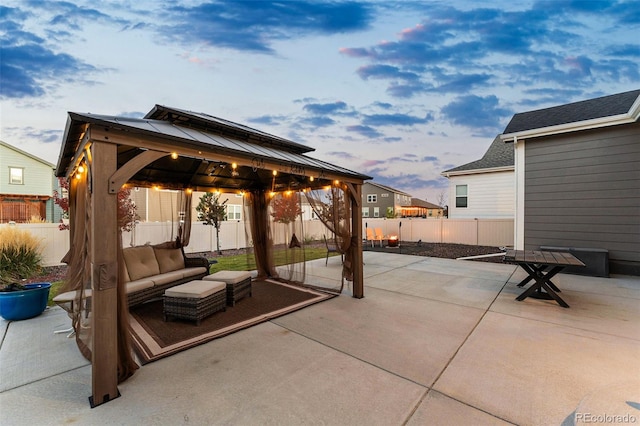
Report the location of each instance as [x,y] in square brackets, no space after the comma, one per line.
[53,291]
[242,262]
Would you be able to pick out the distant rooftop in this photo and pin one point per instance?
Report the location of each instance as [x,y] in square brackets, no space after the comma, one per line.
[417,202]
[388,188]
[499,155]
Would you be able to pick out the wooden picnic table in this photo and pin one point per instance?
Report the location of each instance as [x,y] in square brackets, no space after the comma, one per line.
[541,266]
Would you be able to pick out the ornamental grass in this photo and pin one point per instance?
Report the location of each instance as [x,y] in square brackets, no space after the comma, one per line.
[20,255]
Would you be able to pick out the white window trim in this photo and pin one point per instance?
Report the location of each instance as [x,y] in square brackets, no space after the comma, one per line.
[461,196]
[11,175]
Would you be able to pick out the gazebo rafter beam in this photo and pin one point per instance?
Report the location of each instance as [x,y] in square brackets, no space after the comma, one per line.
[124,173]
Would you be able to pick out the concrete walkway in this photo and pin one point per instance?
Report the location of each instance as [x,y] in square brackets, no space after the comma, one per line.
[434,341]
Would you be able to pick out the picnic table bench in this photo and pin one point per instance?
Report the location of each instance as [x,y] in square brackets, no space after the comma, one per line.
[541,266]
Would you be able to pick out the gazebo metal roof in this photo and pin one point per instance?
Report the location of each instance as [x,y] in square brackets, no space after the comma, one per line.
[207,148]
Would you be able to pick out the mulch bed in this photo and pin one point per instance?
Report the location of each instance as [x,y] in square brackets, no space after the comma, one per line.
[444,250]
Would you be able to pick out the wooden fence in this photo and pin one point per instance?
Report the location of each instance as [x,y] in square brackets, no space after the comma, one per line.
[485,232]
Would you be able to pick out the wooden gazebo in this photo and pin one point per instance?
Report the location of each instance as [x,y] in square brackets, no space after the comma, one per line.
[177,149]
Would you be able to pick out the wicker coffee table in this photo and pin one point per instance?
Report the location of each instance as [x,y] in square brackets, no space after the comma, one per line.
[238,284]
[194,300]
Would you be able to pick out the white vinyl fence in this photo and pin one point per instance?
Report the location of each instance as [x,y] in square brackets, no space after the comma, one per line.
[484,232]
[475,232]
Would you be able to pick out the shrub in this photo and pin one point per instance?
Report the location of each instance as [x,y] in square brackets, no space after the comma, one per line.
[20,255]
[36,219]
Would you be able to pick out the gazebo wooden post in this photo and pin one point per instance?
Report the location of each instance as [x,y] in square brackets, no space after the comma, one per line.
[104,268]
[356,231]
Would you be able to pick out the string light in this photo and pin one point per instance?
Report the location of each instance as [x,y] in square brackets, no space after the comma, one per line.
[310,178]
[273,181]
[174,155]
[81,169]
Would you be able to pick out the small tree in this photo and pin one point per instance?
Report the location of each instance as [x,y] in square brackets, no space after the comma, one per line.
[127,210]
[285,210]
[389,213]
[212,212]
[441,202]
[62,200]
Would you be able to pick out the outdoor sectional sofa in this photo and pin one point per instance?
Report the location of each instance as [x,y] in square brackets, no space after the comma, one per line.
[150,270]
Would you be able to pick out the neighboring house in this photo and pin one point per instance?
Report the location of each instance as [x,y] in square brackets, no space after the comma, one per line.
[152,203]
[382,201]
[483,188]
[421,208]
[26,187]
[578,177]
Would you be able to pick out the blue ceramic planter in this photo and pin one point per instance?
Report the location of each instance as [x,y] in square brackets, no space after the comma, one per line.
[24,304]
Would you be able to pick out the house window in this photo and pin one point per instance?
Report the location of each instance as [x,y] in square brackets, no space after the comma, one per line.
[365,212]
[372,198]
[16,175]
[385,195]
[461,196]
[376,212]
[234,212]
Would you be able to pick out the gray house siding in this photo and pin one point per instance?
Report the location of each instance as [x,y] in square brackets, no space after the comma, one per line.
[582,189]
[386,198]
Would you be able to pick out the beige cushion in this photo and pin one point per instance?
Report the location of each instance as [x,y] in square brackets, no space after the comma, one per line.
[196,289]
[191,272]
[169,259]
[229,277]
[141,262]
[167,277]
[137,285]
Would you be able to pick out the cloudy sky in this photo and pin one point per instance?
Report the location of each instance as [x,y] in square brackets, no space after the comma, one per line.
[397,90]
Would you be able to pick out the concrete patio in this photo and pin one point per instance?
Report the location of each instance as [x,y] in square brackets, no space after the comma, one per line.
[434,341]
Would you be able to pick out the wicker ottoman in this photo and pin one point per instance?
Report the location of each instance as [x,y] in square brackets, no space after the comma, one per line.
[194,300]
[238,284]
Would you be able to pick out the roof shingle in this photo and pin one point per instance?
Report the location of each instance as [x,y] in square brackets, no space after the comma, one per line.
[590,109]
[499,154]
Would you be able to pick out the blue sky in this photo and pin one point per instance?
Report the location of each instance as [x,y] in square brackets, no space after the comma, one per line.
[397,90]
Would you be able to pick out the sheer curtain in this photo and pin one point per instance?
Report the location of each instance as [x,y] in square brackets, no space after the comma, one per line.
[332,207]
[259,239]
[174,210]
[285,214]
